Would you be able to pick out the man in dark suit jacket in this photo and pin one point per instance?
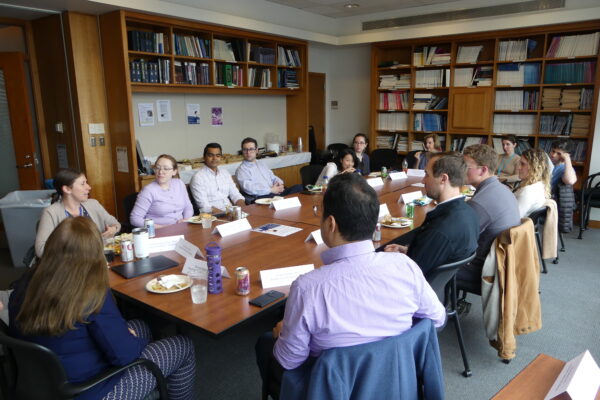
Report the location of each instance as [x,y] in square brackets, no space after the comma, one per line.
[450,231]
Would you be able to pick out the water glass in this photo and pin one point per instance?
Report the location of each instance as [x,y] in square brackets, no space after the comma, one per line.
[199,289]
[206,223]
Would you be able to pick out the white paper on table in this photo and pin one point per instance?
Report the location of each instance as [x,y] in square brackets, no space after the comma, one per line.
[196,268]
[224,272]
[166,243]
[398,175]
[410,196]
[233,227]
[283,276]
[383,210]
[316,236]
[187,249]
[418,184]
[416,172]
[284,204]
[580,378]
[374,182]
[277,229]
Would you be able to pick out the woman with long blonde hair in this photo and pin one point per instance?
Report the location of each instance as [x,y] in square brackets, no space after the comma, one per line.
[535,181]
[64,303]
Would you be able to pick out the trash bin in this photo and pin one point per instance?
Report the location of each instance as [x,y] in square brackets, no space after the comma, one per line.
[21,211]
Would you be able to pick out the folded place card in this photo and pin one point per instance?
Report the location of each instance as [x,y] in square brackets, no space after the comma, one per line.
[410,196]
[196,268]
[316,236]
[383,210]
[286,203]
[374,182]
[398,175]
[578,380]
[187,249]
[231,228]
[416,172]
[418,184]
[167,243]
[283,276]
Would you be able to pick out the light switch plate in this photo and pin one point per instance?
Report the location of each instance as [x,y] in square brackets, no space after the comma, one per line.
[93,141]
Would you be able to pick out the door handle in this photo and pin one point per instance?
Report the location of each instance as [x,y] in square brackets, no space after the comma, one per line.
[25,165]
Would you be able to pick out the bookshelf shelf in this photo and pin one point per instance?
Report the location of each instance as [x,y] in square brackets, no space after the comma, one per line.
[517,63]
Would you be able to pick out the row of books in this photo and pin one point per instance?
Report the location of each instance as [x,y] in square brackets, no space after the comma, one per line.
[574,45]
[392,122]
[151,42]
[518,74]
[459,143]
[479,76]
[230,75]
[385,141]
[522,145]
[431,55]
[287,78]
[468,54]
[259,77]
[570,72]
[514,124]
[429,122]
[144,71]
[578,148]
[515,50]
[224,51]
[192,73]
[566,99]
[565,125]
[191,46]
[288,57]
[429,101]
[401,81]
[394,100]
[517,99]
[431,78]
[262,55]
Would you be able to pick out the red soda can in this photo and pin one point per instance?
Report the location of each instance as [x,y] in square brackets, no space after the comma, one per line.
[126,251]
[242,277]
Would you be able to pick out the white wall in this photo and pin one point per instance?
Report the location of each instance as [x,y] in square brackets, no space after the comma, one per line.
[243,116]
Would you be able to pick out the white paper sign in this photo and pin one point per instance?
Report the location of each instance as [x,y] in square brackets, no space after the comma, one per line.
[146,114]
[411,196]
[167,243]
[187,249]
[283,276]
[316,236]
[383,210]
[418,184]
[374,182]
[398,175]
[416,172]
[122,164]
[231,228]
[195,267]
[224,272]
[284,204]
[579,378]
[164,110]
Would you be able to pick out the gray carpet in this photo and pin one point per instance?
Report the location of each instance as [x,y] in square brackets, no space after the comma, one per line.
[571,322]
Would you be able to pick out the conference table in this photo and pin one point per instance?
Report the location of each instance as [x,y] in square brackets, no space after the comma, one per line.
[254,250]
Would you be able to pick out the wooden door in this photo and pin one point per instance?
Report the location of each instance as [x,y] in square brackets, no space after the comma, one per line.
[316,106]
[470,110]
[15,90]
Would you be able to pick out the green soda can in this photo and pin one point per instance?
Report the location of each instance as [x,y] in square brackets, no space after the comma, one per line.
[410,210]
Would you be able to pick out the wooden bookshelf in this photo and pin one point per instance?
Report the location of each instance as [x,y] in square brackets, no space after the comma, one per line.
[483,75]
[153,54]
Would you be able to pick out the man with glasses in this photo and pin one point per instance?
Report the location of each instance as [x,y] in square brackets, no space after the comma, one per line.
[256,179]
[213,187]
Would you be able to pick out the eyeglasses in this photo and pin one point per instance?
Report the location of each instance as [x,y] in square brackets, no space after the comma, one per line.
[248,150]
[158,169]
[360,142]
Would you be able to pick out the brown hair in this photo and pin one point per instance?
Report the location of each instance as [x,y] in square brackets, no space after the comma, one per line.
[451,164]
[538,169]
[64,177]
[173,162]
[510,138]
[69,282]
[436,141]
[484,156]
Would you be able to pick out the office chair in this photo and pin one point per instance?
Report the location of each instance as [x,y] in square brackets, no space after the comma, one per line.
[310,174]
[589,197]
[128,204]
[539,218]
[383,158]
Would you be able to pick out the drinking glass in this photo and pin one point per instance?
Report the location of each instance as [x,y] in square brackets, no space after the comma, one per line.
[199,289]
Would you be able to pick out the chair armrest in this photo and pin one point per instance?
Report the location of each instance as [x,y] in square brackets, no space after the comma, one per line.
[73,389]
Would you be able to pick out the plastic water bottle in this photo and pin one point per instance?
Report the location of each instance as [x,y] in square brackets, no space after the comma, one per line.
[404,165]
[324,184]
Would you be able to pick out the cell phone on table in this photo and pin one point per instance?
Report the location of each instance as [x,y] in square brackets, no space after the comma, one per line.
[266,298]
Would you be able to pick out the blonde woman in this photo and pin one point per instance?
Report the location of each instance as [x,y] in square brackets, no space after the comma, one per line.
[535,181]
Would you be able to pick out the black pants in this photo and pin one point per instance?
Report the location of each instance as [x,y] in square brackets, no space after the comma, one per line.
[271,371]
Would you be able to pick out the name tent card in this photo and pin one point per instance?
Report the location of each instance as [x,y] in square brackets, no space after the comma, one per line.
[187,249]
[418,184]
[395,176]
[195,267]
[383,210]
[232,228]
[283,276]
[416,172]
[374,182]
[167,243]
[410,196]
[316,236]
[284,204]
[578,380]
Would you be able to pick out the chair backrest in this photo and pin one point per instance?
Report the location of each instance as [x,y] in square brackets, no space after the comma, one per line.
[310,174]
[538,217]
[335,148]
[383,158]
[411,159]
[438,277]
[191,196]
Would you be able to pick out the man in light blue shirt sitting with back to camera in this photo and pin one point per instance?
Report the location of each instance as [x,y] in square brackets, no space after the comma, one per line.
[256,180]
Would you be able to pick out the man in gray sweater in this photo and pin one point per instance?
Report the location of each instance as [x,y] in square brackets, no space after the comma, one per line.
[493,202]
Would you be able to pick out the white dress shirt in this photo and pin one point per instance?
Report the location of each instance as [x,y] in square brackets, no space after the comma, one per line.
[255,178]
[214,189]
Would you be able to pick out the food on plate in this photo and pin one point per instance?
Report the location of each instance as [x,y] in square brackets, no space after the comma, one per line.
[169,283]
[119,239]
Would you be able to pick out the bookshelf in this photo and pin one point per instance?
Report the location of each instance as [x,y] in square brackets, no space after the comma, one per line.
[153,54]
[539,83]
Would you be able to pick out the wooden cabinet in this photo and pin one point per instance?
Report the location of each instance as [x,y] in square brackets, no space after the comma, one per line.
[470,112]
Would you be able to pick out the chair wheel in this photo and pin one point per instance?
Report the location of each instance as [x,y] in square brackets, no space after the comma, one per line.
[467,373]
[506,361]
[555,261]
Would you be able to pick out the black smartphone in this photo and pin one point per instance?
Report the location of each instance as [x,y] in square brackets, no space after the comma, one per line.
[266,298]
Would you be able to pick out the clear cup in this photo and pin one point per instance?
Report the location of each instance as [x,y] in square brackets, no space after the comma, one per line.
[206,223]
[199,289]
[109,248]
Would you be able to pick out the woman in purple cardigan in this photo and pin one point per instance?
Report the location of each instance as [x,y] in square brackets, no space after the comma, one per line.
[165,200]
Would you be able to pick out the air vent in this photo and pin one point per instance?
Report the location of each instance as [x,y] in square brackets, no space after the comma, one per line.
[492,11]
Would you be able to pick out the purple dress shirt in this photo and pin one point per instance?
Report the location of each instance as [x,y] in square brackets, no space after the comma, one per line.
[165,207]
[358,297]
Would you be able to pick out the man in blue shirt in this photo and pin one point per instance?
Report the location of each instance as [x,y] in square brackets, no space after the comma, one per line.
[563,168]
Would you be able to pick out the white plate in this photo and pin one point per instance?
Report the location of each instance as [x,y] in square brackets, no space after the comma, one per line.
[398,223]
[268,200]
[197,220]
[187,284]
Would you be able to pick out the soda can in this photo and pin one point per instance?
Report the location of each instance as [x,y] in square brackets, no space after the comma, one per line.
[149,224]
[384,173]
[242,277]
[377,233]
[410,210]
[126,251]
[236,211]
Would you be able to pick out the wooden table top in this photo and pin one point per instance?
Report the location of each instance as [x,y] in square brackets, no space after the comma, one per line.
[256,251]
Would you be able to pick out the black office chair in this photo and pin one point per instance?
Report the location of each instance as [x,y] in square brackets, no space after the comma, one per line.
[443,281]
[31,371]
[589,197]
[411,159]
[383,158]
[539,219]
[335,148]
[191,196]
[128,204]
[310,174]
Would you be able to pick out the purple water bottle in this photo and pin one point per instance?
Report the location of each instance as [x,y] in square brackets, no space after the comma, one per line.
[213,259]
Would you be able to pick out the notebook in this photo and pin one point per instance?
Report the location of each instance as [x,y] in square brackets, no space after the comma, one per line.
[144,266]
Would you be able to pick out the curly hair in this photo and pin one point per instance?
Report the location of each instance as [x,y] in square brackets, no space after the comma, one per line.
[538,169]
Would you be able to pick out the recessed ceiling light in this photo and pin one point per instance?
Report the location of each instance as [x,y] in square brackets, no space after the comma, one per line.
[351,5]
